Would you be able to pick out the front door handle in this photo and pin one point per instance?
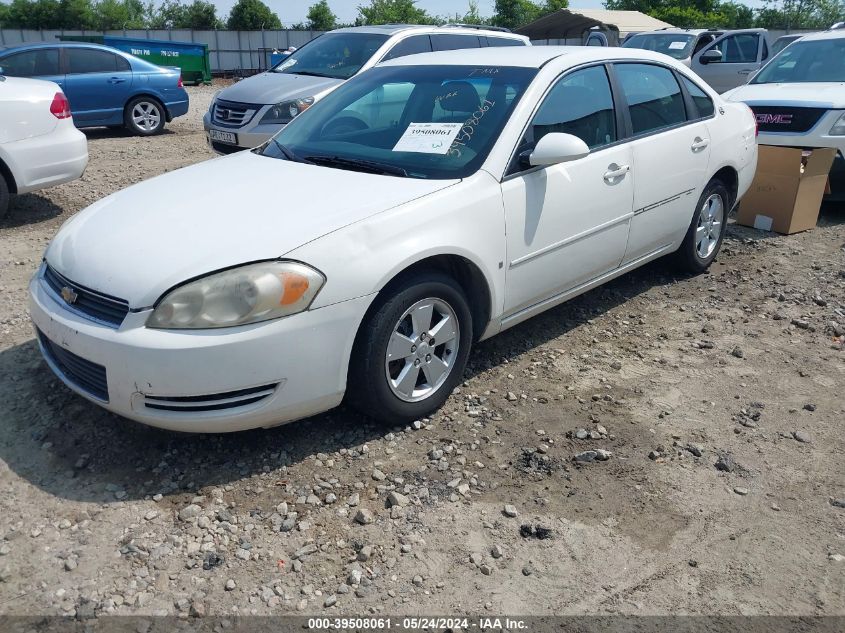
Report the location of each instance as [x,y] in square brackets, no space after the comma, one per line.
[615,172]
[699,144]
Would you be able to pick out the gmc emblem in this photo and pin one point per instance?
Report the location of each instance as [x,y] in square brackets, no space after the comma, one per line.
[777,119]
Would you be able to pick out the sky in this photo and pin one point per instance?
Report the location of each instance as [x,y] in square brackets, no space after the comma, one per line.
[293,11]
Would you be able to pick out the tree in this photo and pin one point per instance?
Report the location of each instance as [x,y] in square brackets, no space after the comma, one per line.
[393,12]
[252,15]
[118,14]
[320,17]
[4,14]
[75,14]
[512,14]
[736,16]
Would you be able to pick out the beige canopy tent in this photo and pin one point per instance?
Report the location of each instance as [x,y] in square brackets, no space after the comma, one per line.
[569,24]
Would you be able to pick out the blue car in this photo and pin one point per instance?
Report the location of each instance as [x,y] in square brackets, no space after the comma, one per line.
[104,86]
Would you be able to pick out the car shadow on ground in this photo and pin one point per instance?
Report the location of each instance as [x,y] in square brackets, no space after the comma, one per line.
[73,449]
[95,133]
[29,208]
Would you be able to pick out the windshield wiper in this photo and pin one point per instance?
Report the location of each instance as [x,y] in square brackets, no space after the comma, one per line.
[310,73]
[290,155]
[358,164]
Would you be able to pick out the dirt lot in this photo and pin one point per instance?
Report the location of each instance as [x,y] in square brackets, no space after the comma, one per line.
[719,397]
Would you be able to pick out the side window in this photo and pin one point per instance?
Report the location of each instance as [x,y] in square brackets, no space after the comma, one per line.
[410,46]
[580,104]
[35,63]
[122,64]
[442,42]
[381,108]
[596,39]
[504,41]
[739,49]
[653,95]
[699,97]
[90,60]
[765,50]
[703,41]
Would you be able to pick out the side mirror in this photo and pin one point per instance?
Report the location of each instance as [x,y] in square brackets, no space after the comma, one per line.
[555,148]
[713,55]
[1,70]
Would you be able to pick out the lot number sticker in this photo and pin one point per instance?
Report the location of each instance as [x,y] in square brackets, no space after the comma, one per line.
[428,138]
[677,46]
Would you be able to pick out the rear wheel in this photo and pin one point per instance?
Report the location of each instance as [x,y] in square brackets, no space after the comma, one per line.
[707,229]
[144,116]
[411,351]
[5,196]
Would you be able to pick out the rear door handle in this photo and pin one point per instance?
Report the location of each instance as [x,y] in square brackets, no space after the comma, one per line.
[699,144]
[615,171]
[116,80]
[745,71]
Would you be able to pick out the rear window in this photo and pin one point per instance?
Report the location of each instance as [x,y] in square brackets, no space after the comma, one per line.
[40,62]
[453,42]
[504,41]
[703,103]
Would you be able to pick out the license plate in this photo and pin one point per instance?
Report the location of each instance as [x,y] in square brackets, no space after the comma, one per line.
[223,137]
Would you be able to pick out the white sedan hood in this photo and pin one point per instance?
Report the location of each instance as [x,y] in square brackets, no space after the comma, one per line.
[139,242]
[810,95]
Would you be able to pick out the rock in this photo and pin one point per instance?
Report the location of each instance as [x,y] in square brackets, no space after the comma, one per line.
[476,559]
[353,500]
[654,455]
[586,457]
[282,508]
[305,550]
[364,516]
[189,512]
[330,498]
[740,490]
[695,449]
[527,570]
[496,551]
[582,434]
[801,324]
[287,525]
[330,601]
[737,352]
[726,463]
[616,365]
[230,585]
[354,577]
[378,475]
[486,569]
[313,500]
[802,437]
[512,396]
[152,514]
[603,455]
[365,553]
[510,511]
[809,407]
[396,499]
[418,580]
[70,564]
[838,503]
[416,425]
[211,560]
[837,558]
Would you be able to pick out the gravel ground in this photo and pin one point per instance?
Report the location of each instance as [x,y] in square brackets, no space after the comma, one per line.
[663,444]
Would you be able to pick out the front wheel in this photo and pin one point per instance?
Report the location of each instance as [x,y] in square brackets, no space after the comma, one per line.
[144,116]
[707,229]
[411,351]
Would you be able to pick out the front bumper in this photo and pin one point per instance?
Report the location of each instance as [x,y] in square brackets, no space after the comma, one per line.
[251,135]
[49,159]
[817,136]
[161,377]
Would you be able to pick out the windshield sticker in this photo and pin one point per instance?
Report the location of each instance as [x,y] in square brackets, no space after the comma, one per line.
[428,138]
[676,46]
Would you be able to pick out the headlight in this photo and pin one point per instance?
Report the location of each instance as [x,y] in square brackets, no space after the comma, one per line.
[213,99]
[285,112]
[838,128]
[256,292]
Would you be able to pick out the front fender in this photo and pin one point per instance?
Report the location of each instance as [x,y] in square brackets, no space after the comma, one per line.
[466,220]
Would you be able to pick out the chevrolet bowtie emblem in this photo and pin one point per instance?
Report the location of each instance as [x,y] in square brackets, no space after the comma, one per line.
[69,295]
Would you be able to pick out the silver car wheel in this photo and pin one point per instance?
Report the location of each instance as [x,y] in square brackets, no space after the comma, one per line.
[422,350]
[709,228]
[146,116]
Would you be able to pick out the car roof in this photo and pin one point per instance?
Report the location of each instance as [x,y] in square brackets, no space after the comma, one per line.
[527,56]
[834,34]
[392,29]
[33,45]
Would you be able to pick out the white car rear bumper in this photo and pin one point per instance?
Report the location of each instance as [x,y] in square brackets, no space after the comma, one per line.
[48,159]
[208,381]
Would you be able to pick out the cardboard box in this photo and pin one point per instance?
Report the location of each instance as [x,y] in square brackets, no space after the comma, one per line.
[787,190]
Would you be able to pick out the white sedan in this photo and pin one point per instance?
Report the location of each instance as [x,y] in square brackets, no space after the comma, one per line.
[427,204]
[39,145]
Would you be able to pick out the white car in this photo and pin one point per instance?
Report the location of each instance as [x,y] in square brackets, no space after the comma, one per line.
[39,145]
[798,98]
[262,287]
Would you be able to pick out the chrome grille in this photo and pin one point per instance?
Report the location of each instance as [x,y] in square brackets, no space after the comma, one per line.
[231,114]
[83,374]
[210,402]
[89,303]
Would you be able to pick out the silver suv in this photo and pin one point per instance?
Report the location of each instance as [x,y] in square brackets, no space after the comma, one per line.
[724,59]
[249,112]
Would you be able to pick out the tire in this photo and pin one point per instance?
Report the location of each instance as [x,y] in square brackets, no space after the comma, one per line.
[375,386]
[144,116]
[706,231]
[5,196]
